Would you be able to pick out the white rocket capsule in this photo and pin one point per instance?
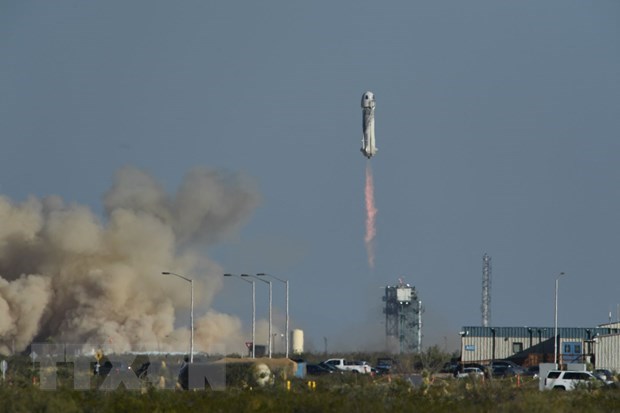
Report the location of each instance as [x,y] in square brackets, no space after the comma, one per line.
[368,124]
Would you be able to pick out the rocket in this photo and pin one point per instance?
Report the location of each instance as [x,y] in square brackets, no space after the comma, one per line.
[368,125]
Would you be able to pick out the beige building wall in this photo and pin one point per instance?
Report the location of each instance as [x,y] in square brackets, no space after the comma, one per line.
[607,352]
[481,348]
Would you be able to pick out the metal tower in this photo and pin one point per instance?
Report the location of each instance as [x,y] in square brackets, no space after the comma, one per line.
[403,318]
[486,290]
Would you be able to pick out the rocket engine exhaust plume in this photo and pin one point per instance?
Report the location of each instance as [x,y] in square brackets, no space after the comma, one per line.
[371,212]
[66,274]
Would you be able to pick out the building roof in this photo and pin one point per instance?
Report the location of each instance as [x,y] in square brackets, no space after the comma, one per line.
[585,333]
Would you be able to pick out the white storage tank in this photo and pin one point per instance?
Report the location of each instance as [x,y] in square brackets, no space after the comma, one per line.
[297,341]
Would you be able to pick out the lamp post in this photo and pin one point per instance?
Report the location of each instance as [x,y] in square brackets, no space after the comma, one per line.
[555,324]
[262,274]
[253,309]
[191,313]
[270,302]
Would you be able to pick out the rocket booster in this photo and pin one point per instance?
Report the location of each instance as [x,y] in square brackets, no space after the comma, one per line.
[368,125]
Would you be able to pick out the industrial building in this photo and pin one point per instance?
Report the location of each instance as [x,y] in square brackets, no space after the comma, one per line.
[607,348]
[527,346]
[532,345]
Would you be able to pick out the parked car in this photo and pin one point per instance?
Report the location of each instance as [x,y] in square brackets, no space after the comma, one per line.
[450,367]
[361,363]
[570,380]
[604,374]
[460,368]
[473,372]
[503,371]
[365,363]
[505,368]
[346,365]
[384,365]
[318,369]
[532,371]
[330,367]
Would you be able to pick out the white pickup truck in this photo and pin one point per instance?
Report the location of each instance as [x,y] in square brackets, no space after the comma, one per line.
[342,364]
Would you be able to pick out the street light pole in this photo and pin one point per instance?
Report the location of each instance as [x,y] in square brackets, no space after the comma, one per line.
[191,313]
[555,334]
[270,302]
[287,311]
[253,319]
[253,309]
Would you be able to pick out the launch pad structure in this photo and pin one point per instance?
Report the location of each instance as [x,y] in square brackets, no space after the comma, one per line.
[403,318]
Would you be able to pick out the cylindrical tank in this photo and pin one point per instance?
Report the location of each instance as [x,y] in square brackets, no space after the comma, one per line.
[297,341]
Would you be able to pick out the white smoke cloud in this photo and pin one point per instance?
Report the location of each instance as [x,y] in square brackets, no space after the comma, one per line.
[68,275]
[22,303]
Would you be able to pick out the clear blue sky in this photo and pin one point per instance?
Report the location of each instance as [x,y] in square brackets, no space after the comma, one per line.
[497,124]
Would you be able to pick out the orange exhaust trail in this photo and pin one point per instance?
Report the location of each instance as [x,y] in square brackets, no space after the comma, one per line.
[371,212]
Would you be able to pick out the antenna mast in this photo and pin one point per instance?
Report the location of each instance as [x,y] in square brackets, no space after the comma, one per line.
[486,290]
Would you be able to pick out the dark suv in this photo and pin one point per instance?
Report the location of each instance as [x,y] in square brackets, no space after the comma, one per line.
[506,368]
